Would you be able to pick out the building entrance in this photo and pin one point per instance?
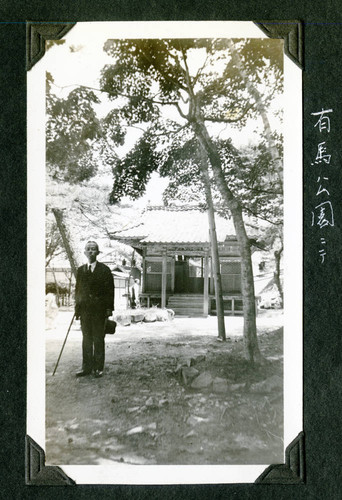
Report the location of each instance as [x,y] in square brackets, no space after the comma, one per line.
[189,275]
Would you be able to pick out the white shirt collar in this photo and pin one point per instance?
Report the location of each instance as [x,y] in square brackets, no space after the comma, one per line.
[92,266]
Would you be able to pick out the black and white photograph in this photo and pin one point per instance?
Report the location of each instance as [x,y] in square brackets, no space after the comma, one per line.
[164,252]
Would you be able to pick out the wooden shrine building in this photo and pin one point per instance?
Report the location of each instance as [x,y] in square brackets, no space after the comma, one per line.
[177,270]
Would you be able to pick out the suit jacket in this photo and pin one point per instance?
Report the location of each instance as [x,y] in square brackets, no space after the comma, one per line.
[94,290]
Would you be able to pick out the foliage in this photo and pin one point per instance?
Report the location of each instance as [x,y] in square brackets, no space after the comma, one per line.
[52,43]
[134,171]
[193,80]
[77,141]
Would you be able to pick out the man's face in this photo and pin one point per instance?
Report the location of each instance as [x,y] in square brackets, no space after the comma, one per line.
[91,252]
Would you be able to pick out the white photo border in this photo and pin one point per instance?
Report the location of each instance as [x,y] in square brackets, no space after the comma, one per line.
[293,334]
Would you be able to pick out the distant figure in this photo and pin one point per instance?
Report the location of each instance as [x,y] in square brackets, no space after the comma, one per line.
[135,294]
[135,271]
[94,302]
[51,310]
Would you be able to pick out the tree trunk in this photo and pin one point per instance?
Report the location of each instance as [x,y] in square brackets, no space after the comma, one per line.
[66,240]
[277,256]
[253,91]
[248,295]
[214,250]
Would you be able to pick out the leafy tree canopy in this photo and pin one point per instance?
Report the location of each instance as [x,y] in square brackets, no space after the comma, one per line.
[195,81]
[77,141]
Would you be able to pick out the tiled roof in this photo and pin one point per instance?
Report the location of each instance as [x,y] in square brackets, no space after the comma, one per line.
[176,225]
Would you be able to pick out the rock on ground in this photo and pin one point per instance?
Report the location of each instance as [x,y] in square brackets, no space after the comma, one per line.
[188,374]
[150,317]
[220,385]
[270,384]
[203,381]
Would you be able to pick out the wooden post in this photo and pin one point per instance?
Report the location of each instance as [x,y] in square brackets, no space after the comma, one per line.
[212,290]
[173,274]
[164,280]
[143,286]
[206,283]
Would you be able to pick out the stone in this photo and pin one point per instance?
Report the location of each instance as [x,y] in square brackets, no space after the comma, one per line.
[162,315]
[150,317]
[236,387]
[122,319]
[170,314]
[194,420]
[203,381]
[135,430]
[188,374]
[137,317]
[132,410]
[190,434]
[270,384]
[220,385]
[197,359]
[149,402]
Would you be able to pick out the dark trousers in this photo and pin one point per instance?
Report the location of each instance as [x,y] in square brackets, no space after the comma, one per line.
[93,344]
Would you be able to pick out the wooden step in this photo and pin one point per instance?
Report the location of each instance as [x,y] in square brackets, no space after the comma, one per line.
[184,300]
[186,305]
[189,314]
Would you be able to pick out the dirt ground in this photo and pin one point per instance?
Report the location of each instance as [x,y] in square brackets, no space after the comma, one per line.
[144,410]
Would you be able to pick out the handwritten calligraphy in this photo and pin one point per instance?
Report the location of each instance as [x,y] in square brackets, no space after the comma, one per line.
[322,215]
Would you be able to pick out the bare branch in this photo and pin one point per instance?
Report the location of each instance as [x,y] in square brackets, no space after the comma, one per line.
[95,224]
[258,216]
[179,129]
[199,72]
[127,96]
[265,191]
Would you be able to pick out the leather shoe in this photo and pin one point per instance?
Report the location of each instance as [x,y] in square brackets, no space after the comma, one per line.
[83,373]
[98,373]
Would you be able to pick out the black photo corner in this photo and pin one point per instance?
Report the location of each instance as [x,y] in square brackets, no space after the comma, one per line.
[313,461]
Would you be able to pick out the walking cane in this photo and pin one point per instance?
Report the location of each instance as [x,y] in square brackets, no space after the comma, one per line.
[60,354]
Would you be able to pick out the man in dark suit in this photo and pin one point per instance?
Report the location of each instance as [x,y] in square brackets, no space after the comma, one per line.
[94,302]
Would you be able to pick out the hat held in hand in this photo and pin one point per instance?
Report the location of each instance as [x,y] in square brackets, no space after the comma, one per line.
[110,326]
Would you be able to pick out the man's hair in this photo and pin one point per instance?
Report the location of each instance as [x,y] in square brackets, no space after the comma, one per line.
[93,243]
